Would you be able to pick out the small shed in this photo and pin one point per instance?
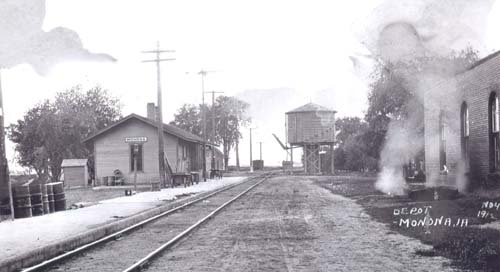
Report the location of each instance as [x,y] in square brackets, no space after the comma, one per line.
[75,172]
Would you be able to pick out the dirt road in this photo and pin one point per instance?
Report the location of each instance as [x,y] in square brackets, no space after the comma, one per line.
[291,224]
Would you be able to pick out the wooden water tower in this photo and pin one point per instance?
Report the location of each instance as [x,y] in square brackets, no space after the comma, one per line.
[312,127]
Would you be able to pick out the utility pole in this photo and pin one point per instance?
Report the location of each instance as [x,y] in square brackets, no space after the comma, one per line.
[203,73]
[238,154]
[4,165]
[260,143]
[251,162]
[161,149]
[135,153]
[213,127]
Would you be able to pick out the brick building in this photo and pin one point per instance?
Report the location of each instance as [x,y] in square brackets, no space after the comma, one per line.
[462,125]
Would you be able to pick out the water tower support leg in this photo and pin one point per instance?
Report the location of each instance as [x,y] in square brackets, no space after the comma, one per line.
[333,161]
[305,154]
[319,160]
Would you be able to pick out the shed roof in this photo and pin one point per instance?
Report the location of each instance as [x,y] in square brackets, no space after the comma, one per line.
[173,130]
[311,107]
[73,162]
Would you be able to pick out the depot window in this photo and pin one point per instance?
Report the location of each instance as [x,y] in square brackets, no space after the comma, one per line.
[442,141]
[184,152]
[139,157]
[465,132]
[494,126]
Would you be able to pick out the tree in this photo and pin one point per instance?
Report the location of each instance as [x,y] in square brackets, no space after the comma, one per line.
[347,127]
[188,117]
[388,100]
[356,153]
[27,134]
[396,94]
[351,152]
[53,131]
[230,116]
[231,113]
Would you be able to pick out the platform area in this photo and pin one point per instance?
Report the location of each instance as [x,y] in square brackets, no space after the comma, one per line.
[30,240]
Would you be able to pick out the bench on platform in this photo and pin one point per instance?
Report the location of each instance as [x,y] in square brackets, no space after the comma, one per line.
[216,174]
[182,178]
[195,177]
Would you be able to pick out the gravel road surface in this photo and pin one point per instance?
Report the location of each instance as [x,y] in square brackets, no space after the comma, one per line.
[291,224]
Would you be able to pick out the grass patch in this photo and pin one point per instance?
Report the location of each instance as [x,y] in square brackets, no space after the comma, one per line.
[472,248]
[469,247]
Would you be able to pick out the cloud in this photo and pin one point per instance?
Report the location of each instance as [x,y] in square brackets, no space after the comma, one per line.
[24,40]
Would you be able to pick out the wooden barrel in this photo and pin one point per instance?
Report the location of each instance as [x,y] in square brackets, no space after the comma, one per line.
[36,199]
[155,186]
[59,197]
[50,196]
[104,181]
[22,201]
[46,205]
[45,199]
[111,181]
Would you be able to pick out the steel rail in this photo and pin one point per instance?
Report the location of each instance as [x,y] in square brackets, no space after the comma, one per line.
[137,266]
[81,249]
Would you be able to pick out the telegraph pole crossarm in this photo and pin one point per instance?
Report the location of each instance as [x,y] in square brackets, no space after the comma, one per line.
[158,51]
[159,113]
[160,60]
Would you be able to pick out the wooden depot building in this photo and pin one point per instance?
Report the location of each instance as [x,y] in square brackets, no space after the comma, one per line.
[113,149]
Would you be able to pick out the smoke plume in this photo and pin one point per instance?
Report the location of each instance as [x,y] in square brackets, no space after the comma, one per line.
[402,31]
[24,40]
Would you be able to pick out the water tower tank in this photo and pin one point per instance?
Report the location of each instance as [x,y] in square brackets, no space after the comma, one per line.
[310,124]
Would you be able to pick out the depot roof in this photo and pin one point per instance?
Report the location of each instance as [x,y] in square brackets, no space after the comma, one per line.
[170,129]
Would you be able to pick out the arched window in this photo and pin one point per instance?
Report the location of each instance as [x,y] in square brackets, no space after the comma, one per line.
[442,142]
[464,120]
[494,127]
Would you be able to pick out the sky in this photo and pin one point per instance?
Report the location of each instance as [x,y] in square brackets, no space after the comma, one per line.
[276,55]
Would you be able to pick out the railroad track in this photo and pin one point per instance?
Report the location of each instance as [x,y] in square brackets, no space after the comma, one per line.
[131,249]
